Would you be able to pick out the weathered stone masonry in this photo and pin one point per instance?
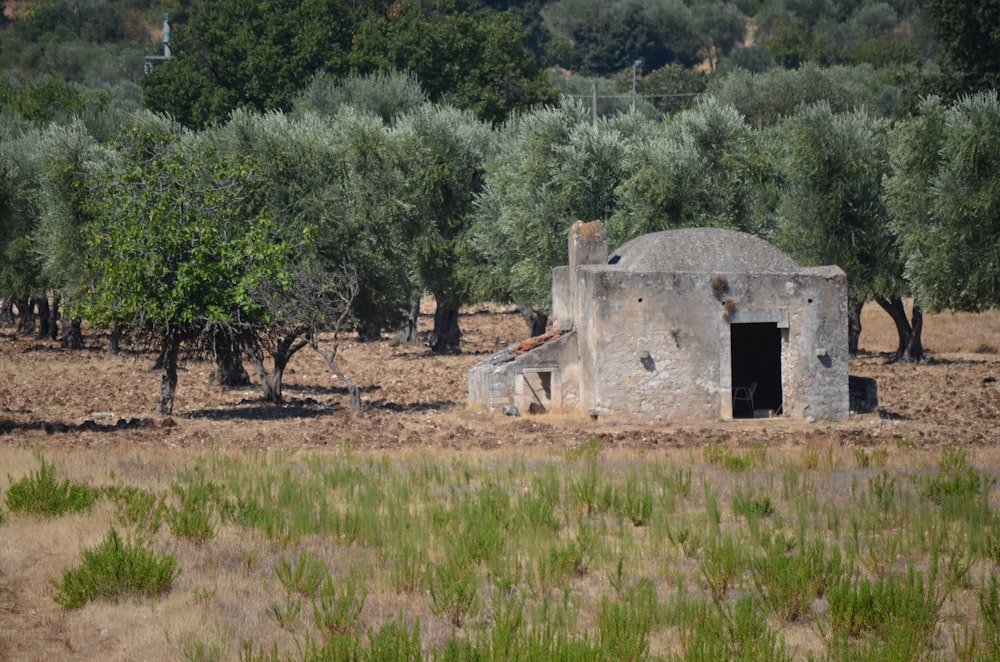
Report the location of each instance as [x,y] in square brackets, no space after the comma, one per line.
[672,324]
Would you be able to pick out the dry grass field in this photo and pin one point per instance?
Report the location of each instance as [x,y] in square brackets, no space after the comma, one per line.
[66,407]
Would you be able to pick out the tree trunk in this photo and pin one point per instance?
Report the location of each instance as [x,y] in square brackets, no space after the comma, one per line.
[446,336]
[369,332]
[168,383]
[408,329]
[72,334]
[229,370]
[7,313]
[271,381]
[114,342]
[894,307]
[536,320]
[44,317]
[914,352]
[25,316]
[352,388]
[56,316]
[854,326]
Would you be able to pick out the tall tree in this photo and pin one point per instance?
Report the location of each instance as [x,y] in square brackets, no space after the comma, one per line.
[179,244]
[551,167]
[706,167]
[608,37]
[443,152]
[969,33]
[831,209]
[235,54]
[472,60]
[21,278]
[69,154]
[944,197]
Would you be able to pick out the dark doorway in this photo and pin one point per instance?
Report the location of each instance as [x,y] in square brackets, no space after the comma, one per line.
[756,364]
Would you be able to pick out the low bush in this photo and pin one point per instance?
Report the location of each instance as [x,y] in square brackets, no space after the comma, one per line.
[41,493]
[113,569]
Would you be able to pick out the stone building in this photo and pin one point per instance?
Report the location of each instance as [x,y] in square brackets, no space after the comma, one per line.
[690,324]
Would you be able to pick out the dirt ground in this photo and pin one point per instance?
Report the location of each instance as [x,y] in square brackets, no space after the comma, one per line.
[54,397]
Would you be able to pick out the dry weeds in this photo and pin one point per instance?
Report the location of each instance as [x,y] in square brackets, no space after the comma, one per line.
[416,404]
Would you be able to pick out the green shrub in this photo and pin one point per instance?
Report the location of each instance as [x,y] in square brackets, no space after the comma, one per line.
[41,493]
[113,569]
[337,610]
[194,516]
[136,509]
[789,580]
[636,501]
[903,612]
[955,481]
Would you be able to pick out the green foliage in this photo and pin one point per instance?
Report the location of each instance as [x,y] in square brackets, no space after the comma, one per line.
[137,510]
[722,562]
[441,156]
[969,42]
[71,154]
[831,33]
[198,499]
[47,98]
[179,240]
[385,94]
[789,580]
[703,168]
[20,270]
[114,569]
[831,210]
[956,481]
[624,625]
[337,607]
[232,55]
[765,98]
[551,168]
[943,198]
[607,37]
[41,493]
[900,612]
[472,60]
[454,585]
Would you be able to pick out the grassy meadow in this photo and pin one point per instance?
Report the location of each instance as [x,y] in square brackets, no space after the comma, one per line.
[707,553]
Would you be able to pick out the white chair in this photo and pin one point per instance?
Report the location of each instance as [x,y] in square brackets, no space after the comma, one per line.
[744,394]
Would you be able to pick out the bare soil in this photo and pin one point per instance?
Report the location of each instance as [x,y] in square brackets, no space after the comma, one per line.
[89,412]
[51,397]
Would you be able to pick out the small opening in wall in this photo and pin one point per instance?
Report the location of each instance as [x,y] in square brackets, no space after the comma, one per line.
[535,395]
[640,299]
[809,300]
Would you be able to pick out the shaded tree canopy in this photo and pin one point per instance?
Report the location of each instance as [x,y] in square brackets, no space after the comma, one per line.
[471,60]
[969,33]
[236,54]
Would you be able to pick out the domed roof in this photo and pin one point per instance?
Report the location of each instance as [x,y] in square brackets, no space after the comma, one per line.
[702,250]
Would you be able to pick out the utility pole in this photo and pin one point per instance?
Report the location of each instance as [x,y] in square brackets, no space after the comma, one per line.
[153,60]
[593,104]
[635,65]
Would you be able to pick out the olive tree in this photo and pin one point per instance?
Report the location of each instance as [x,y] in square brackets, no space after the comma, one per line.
[21,279]
[442,152]
[179,242]
[551,167]
[831,209]
[333,182]
[943,193]
[705,167]
[69,154]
